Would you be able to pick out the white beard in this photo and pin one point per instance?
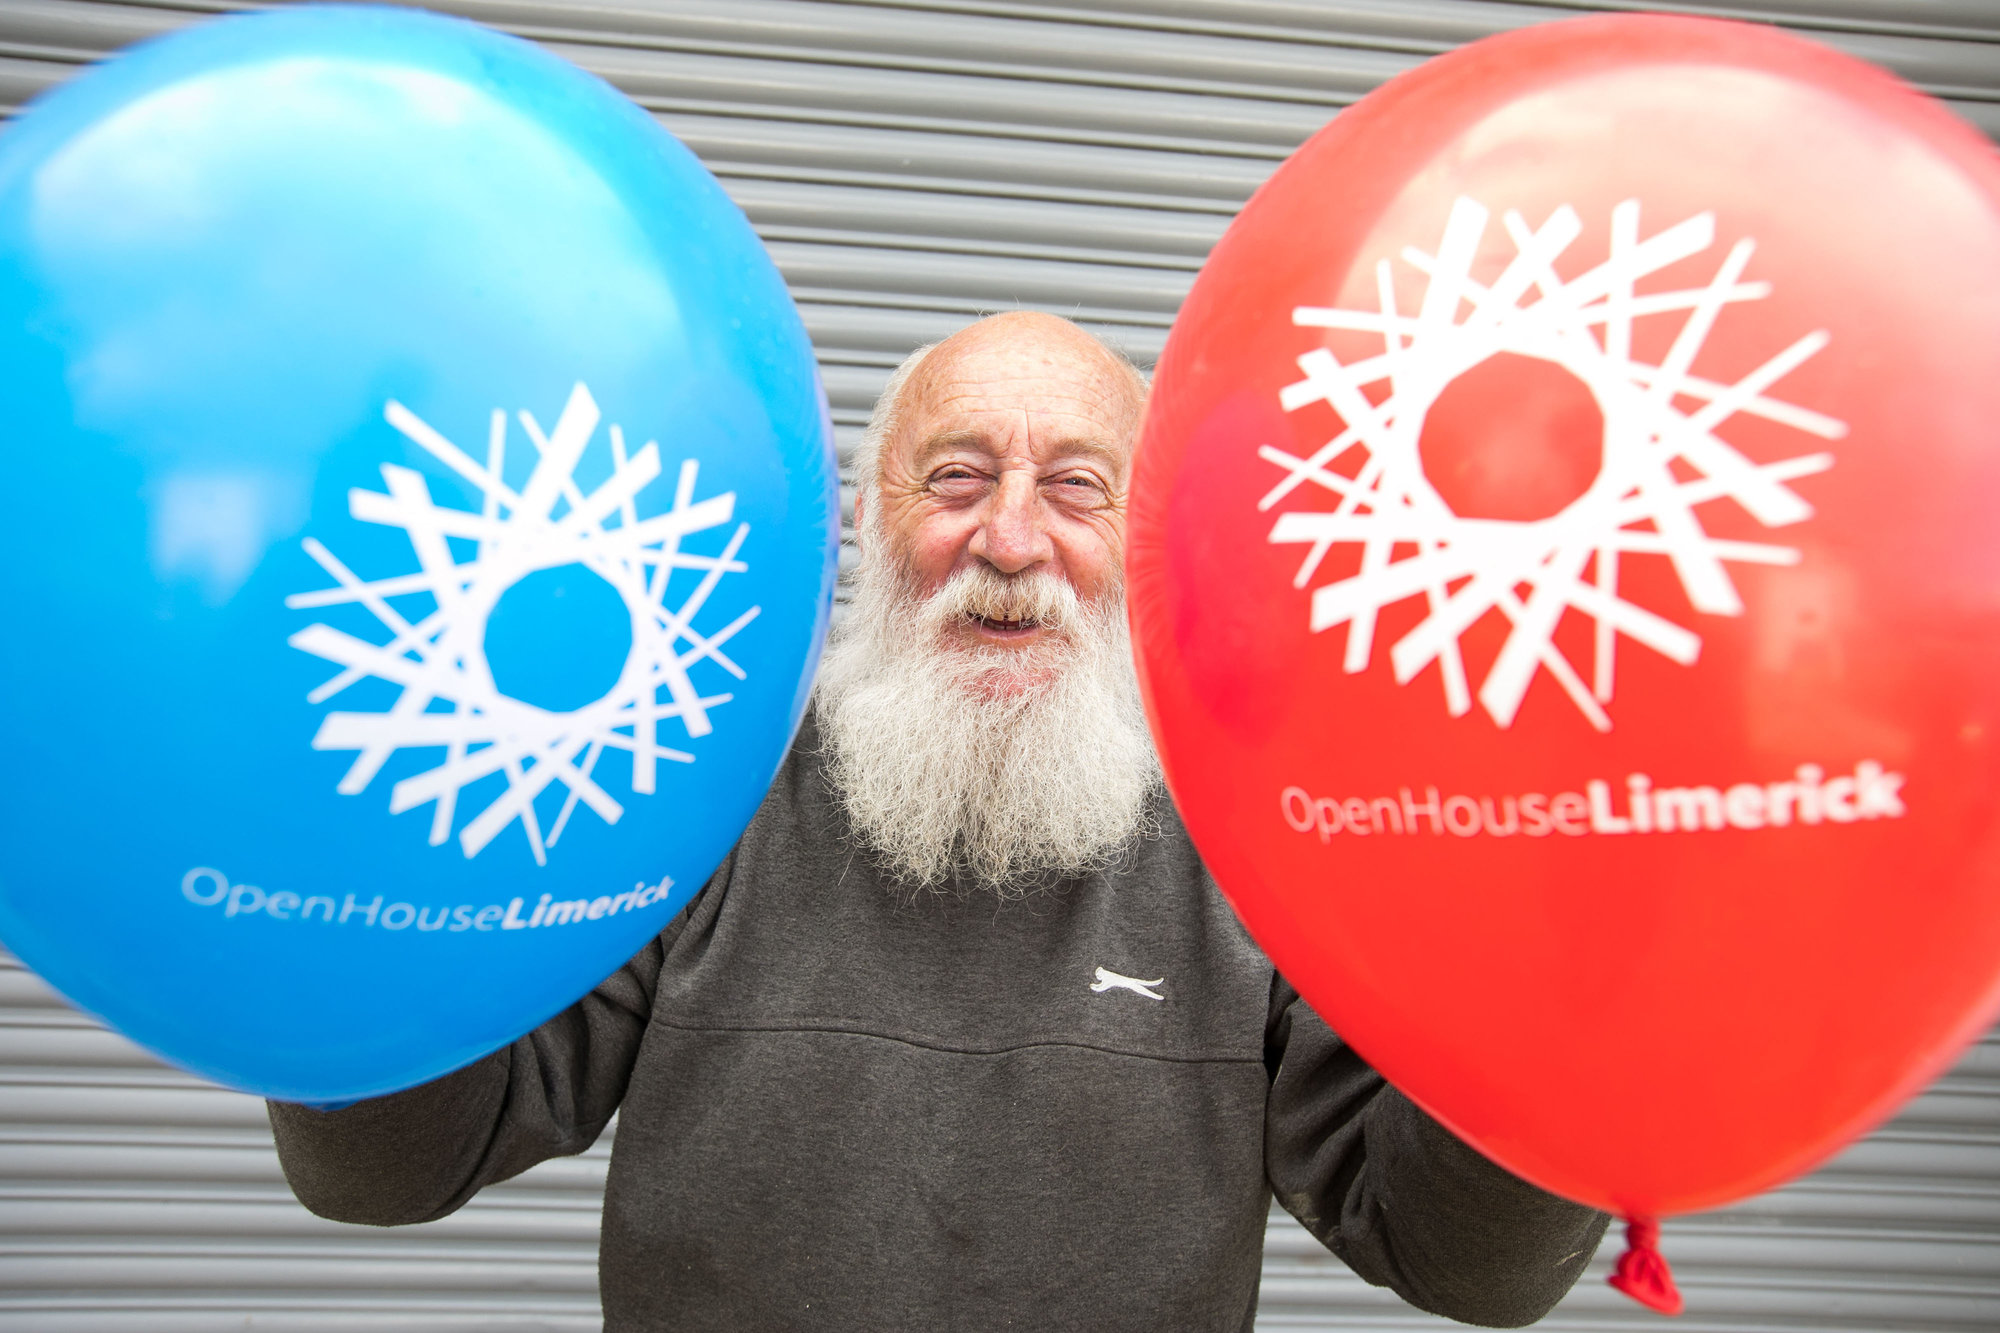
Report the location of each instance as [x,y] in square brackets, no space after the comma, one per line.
[1012,767]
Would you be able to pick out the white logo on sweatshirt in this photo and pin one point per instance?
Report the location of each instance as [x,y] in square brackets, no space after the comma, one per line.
[1107,980]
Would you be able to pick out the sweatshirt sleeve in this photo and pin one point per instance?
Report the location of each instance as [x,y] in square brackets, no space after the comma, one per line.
[1398,1198]
[419,1154]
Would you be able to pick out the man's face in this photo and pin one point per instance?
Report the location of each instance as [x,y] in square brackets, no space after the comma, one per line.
[1012,450]
[980,709]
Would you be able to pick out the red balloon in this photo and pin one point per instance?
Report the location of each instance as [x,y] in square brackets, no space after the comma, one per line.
[1565,564]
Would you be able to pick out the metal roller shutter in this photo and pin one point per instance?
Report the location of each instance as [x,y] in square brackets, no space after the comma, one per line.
[137,1199]
[913,164]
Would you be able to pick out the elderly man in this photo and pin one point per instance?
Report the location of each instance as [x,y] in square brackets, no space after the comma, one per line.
[961,1035]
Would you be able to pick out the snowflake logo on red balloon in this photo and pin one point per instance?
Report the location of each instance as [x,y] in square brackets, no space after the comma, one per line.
[1419,534]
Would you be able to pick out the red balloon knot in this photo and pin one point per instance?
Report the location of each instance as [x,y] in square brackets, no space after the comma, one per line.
[1642,1271]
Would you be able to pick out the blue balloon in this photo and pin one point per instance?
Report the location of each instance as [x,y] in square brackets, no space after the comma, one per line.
[417,536]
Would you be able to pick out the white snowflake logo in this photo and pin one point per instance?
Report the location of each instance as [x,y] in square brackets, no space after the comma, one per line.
[1413,545]
[448,697]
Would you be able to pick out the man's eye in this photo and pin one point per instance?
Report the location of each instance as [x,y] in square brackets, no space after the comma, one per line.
[955,478]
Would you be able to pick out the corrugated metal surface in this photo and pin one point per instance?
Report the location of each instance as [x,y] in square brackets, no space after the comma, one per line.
[1899,1234]
[913,164]
[136,1199]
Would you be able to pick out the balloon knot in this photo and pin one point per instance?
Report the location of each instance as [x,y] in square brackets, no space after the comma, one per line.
[1642,1271]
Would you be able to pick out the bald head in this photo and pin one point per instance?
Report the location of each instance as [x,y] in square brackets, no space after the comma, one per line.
[1027,354]
[992,351]
[1006,447]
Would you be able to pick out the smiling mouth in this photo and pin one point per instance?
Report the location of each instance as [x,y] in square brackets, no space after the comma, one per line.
[994,625]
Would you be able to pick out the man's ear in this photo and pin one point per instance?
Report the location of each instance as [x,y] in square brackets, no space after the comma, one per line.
[859,501]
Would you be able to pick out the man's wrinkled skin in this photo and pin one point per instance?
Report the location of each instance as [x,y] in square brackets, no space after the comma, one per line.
[1013,447]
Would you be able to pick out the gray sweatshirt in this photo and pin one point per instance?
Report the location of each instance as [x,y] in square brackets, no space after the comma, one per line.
[844,1108]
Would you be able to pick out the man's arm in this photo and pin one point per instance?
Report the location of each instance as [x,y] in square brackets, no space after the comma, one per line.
[419,1154]
[1400,1199]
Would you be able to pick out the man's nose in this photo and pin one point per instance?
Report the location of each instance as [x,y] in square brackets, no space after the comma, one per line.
[1015,534]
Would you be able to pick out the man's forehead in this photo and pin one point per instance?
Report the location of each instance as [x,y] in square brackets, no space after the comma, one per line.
[1052,398]
[1024,385]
